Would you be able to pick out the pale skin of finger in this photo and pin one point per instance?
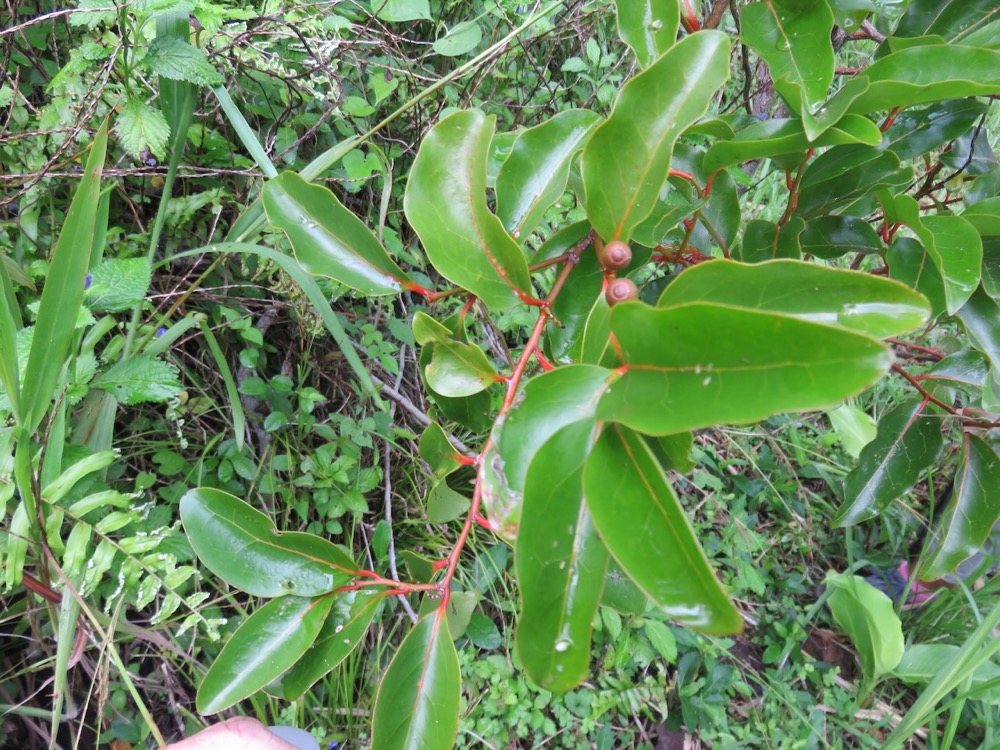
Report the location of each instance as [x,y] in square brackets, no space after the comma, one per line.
[241,733]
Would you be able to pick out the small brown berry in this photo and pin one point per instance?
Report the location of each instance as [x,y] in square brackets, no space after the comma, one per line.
[621,290]
[615,256]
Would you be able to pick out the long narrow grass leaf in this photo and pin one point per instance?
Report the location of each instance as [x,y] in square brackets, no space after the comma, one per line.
[232,392]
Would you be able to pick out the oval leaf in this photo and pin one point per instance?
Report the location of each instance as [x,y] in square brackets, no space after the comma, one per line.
[327,239]
[646,529]
[649,27]
[418,700]
[698,365]
[445,203]
[242,547]
[270,641]
[561,563]
[867,616]
[859,301]
[626,160]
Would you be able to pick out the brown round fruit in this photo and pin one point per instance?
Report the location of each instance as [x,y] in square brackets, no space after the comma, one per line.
[621,290]
[615,256]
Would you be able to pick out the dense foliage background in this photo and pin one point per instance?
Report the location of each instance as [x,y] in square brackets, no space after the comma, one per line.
[175,335]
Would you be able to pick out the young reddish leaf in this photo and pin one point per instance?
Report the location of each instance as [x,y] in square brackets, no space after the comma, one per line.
[534,176]
[907,442]
[242,547]
[701,364]
[270,641]
[859,301]
[418,699]
[649,27]
[973,511]
[445,203]
[647,530]
[626,160]
[561,563]
[342,632]
[327,239]
[551,401]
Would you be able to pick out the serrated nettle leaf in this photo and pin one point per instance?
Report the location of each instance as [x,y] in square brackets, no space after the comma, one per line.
[535,174]
[269,563]
[649,27]
[549,402]
[328,240]
[118,284]
[859,301]
[177,98]
[179,60]
[140,379]
[697,365]
[561,563]
[455,368]
[794,39]
[868,617]
[647,531]
[418,700]
[445,202]
[141,127]
[269,642]
[972,513]
[343,630]
[907,442]
[626,160]
[829,237]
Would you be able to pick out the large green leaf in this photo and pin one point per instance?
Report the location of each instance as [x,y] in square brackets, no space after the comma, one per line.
[327,239]
[649,27]
[867,616]
[829,237]
[698,365]
[915,132]
[242,546]
[626,160]
[436,449]
[418,700]
[765,241]
[912,265]
[981,318]
[342,632]
[534,176]
[561,563]
[455,369]
[949,19]
[859,301]
[62,294]
[922,662]
[445,203]
[974,509]
[647,530]
[794,40]
[845,178]
[473,412]
[270,641]
[907,442]
[575,303]
[550,402]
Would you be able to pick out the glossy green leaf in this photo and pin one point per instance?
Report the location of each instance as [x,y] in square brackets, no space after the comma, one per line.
[972,513]
[952,243]
[62,294]
[845,178]
[649,27]
[418,699]
[342,632]
[455,369]
[981,318]
[922,662]
[853,427]
[445,203]
[924,74]
[626,160]
[271,641]
[765,241]
[575,303]
[473,412]
[966,370]
[906,443]
[444,504]
[984,216]
[794,40]
[327,239]
[859,301]
[867,616]
[950,19]
[782,136]
[912,265]
[621,593]
[550,402]
[916,132]
[535,174]
[561,563]
[698,365]
[242,547]
[829,237]
[648,532]
[436,449]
